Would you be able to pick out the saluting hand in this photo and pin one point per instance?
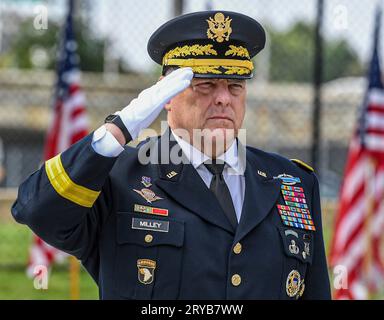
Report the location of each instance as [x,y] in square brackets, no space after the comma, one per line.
[143,110]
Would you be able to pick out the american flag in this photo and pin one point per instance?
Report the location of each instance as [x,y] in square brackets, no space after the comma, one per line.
[356,244]
[69,124]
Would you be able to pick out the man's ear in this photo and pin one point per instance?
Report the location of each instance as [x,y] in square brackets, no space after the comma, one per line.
[168,106]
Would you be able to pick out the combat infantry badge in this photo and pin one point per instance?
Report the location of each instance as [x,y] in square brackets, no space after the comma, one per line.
[219,27]
[148,195]
[146,270]
[287,179]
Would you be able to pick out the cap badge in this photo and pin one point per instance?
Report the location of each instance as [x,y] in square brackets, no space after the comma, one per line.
[219,28]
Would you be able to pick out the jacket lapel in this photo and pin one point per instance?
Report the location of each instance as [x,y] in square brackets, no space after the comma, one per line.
[183,184]
[261,194]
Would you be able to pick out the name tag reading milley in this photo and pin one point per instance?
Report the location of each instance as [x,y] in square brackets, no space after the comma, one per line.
[150,224]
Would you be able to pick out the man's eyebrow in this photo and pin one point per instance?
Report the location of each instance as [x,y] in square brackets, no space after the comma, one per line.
[236,81]
[197,81]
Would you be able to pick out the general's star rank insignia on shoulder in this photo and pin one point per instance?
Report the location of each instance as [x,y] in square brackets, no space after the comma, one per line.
[146,270]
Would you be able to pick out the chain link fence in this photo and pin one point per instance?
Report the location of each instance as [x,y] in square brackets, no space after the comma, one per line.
[112,38]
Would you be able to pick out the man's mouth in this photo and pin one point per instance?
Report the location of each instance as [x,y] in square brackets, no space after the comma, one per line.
[220,118]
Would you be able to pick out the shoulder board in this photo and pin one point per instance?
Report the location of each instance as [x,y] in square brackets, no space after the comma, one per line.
[303,165]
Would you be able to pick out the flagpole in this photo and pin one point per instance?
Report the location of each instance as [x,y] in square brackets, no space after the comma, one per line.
[370,196]
[74,278]
[74,267]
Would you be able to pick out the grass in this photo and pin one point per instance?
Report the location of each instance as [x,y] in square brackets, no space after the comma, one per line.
[16,239]
[14,283]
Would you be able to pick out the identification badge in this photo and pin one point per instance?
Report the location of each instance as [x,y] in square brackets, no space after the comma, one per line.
[150,224]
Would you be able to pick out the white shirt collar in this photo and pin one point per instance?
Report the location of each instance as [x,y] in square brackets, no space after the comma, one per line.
[196,157]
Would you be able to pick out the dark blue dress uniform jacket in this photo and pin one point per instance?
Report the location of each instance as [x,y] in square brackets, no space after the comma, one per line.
[82,203]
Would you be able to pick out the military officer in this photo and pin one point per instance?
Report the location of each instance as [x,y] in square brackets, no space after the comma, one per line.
[225,222]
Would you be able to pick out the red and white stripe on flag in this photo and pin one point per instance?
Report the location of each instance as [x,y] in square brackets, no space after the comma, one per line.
[70,121]
[358,232]
[69,124]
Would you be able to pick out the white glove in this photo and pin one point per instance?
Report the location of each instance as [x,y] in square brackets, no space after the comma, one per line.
[143,110]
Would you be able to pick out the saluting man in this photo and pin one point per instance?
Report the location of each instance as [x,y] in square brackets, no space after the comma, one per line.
[224,221]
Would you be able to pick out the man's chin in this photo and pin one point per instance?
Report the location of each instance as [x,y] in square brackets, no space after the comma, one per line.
[220,132]
[220,138]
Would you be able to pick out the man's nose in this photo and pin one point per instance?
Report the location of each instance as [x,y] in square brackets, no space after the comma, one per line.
[222,96]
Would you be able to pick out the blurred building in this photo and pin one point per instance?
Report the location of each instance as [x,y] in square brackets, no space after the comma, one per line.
[278,118]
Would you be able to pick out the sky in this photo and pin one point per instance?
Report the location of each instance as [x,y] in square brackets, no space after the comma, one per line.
[128,24]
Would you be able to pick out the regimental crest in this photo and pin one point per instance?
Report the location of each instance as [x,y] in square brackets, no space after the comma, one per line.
[146,270]
[219,27]
[146,181]
[148,195]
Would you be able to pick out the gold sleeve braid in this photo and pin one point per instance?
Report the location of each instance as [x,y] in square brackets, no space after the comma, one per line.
[65,187]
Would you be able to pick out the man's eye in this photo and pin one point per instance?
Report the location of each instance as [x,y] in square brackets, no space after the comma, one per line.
[236,86]
[205,85]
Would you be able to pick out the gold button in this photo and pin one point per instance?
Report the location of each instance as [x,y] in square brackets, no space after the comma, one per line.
[237,248]
[148,238]
[236,280]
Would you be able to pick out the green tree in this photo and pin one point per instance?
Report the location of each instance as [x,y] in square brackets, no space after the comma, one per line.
[31,47]
[292,55]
